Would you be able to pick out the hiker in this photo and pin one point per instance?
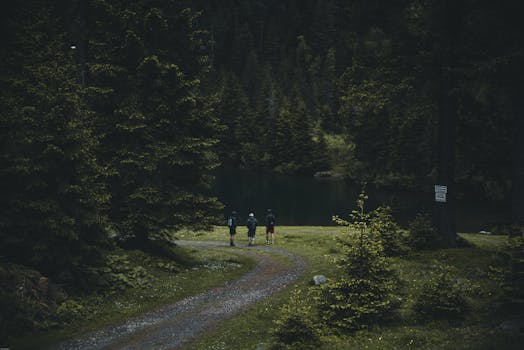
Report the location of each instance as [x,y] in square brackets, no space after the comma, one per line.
[251,228]
[232,224]
[270,226]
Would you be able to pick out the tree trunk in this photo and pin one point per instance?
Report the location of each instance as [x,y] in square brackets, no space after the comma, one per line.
[446,217]
[82,44]
[448,114]
[517,183]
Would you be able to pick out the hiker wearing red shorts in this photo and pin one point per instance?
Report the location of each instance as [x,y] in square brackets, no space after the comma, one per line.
[270,226]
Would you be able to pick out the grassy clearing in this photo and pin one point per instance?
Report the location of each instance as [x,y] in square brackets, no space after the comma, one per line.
[251,328]
[208,269]
[477,330]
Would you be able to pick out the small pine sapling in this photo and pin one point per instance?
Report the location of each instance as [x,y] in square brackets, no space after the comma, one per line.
[364,294]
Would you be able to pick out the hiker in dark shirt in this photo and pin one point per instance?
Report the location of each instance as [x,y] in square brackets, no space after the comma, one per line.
[270,226]
[232,224]
[251,228]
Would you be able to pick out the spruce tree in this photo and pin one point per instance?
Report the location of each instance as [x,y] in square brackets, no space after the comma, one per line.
[52,185]
[159,130]
[365,292]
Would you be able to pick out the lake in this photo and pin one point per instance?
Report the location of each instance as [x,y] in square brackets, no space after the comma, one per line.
[302,200]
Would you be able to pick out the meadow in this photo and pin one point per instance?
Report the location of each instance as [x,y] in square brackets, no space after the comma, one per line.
[476,267]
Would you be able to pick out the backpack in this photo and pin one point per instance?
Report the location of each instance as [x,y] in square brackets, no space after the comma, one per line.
[230,222]
[271,220]
[251,223]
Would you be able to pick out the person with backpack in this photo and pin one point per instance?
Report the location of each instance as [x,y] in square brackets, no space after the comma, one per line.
[232,224]
[270,226]
[251,229]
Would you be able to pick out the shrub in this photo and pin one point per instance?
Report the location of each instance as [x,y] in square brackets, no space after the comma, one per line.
[120,273]
[441,296]
[383,224]
[365,293]
[27,300]
[513,273]
[422,234]
[295,329]
[70,310]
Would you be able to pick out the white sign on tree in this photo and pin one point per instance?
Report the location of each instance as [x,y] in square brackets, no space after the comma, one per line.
[440,193]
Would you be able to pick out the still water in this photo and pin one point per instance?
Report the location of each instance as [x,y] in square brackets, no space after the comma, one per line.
[301,200]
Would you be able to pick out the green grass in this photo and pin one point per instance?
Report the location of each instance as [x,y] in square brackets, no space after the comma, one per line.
[209,269]
[317,245]
[252,326]
[486,242]
[478,330]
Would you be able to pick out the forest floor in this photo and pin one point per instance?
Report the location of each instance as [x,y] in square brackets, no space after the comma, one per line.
[180,323]
[232,297]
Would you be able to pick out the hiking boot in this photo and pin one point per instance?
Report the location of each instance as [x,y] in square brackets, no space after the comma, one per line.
[231,244]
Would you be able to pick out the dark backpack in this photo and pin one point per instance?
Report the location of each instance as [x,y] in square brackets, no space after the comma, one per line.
[271,220]
[251,223]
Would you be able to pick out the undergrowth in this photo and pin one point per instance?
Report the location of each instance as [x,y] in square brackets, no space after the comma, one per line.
[136,283]
[465,314]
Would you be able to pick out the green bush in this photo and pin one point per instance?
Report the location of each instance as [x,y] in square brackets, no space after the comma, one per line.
[366,291]
[296,328]
[27,300]
[422,234]
[383,224]
[120,273]
[70,310]
[441,296]
[513,274]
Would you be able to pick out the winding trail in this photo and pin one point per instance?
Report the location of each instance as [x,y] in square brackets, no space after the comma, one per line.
[179,323]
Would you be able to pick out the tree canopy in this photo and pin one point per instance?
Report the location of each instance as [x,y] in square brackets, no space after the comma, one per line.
[115,113]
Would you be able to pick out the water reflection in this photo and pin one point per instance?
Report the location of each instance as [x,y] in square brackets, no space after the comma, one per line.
[300,200]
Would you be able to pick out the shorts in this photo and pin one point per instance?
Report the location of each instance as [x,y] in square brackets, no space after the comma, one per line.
[270,229]
[251,233]
[232,230]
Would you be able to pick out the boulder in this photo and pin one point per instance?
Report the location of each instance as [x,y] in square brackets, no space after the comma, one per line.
[319,279]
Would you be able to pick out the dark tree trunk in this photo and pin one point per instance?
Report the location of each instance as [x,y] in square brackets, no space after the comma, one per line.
[77,13]
[450,17]
[517,183]
[446,217]
[82,44]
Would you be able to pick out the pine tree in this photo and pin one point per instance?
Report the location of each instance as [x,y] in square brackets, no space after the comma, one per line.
[52,185]
[242,131]
[159,129]
[303,147]
[282,141]
[365,292]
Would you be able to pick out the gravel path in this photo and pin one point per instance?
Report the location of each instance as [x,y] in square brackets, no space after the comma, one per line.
[175,324]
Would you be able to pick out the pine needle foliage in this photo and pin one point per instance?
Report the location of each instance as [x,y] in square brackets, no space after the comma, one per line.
[52,185]
[159,130]
[441,296]
[296,327]
[364,293]
[513,272]
[383,223]
[422,234]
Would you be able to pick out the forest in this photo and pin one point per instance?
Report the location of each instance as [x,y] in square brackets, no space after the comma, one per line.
[114,114]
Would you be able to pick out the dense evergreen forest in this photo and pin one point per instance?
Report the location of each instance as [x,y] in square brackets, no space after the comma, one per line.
[363,79]
[115,113]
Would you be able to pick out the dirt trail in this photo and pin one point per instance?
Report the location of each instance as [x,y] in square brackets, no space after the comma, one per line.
[175,324]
